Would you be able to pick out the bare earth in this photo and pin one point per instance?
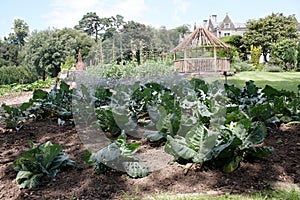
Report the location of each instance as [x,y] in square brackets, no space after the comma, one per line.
[279,170]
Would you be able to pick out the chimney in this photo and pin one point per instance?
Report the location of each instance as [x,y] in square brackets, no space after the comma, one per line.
[213,18]
[205,23]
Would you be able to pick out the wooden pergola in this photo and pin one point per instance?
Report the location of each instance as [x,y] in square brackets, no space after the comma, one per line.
[200,52]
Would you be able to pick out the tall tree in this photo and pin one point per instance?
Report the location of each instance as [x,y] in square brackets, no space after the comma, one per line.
[91,24]
[11,46]
[267,31]
[21,31]
[162,39]
[48,50]
[114,26]
[177,33]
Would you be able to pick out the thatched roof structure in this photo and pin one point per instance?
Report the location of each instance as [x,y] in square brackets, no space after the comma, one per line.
[201,37]
[202,51]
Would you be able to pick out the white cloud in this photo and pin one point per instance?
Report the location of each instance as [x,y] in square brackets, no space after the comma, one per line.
[67,13]
[180,7]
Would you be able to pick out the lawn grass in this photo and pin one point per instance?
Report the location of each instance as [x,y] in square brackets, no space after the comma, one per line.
[274,195]
[279,80]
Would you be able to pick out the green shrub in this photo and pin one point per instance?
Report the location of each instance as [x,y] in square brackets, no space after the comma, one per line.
[272,68]
[255,54]
[131,70]
[238,65]
[20,74]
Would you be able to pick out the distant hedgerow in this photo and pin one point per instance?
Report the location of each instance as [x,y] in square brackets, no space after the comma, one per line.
[20,74]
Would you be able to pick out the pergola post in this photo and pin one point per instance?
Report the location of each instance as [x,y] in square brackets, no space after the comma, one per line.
[215,59]
[184,61]
[174,61]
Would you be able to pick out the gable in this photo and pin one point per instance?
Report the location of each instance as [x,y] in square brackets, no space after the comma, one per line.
[227,23]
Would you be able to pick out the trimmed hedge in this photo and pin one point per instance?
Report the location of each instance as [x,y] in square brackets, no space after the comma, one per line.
[20,74]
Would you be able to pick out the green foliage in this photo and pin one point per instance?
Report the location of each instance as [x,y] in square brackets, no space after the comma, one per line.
[11,46]
[283,53]
[272,68]
[118,155]
[21,30]
[48,59]
[44,159]
[97,27]
[255,55]
[70,62]
[298,57]
[130,70]
[14,117]
[189,115]
[237,65]
[237,47]
[269,30]
[55,104]
[12,88]
[20,74]
[197,145]
[224,144]
[267,105]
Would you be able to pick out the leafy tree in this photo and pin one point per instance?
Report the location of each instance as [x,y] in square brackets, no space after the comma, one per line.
[177,33]
[113,25]
[283,53]
[48,50]
[9,51]
[11,46]
[21,30]
[104,27]
[183,29]
[267,31]
[163,41]
[235,41]
[136,38]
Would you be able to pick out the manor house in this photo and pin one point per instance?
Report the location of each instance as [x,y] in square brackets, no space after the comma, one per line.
[224,28]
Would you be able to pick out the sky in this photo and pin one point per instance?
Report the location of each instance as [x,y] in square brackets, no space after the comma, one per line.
[43,14]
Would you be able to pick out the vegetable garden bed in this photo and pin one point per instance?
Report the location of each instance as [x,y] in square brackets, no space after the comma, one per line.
[243,136]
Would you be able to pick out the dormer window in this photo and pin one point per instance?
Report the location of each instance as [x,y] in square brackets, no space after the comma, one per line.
[227,25]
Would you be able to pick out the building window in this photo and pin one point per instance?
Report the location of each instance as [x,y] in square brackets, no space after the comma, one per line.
[226,34]
[226,25]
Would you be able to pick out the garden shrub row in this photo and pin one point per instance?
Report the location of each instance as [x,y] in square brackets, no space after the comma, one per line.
[20,74]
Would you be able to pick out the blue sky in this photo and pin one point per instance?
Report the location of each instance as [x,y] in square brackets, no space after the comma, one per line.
[42,14]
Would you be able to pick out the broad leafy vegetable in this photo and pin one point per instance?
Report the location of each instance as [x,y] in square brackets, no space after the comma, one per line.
[45,159]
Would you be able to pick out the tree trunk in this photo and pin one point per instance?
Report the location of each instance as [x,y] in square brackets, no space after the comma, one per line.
[265,57]
[44,75]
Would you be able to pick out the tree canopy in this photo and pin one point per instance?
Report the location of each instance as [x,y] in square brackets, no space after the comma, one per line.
[267,31]
[48,50]
[11,46]
[95,26]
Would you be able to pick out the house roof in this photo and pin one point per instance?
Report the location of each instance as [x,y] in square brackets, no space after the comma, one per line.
[200,37]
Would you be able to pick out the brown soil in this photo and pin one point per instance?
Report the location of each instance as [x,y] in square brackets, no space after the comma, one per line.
[280,169]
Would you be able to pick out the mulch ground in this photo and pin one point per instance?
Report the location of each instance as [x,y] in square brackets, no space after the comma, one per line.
[280,169]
